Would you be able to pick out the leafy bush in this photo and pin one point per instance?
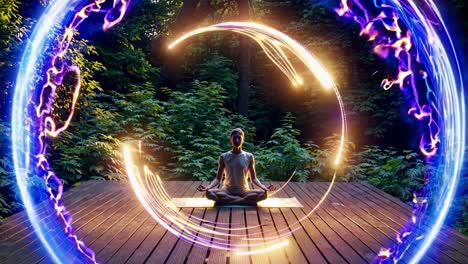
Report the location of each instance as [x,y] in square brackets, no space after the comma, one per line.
[397,173]
[323,165]
[14,29]
[8,201]
[198,129]
[282,153]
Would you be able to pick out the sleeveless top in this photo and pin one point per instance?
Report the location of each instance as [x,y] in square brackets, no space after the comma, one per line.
[236,169]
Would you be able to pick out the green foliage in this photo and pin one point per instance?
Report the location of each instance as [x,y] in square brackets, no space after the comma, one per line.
[198,129]
[77,151]
[282,153]
[8,201]
[13,30]
[218,69]
[379,106]
[395,172]
[183,131]
[458,216]
[324,164]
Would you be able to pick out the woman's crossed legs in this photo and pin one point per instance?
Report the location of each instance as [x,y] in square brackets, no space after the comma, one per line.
[224,197]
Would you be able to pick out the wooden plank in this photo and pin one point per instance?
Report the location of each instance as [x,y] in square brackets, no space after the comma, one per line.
[79,212]
[19,222]
[238,221]
[216,256]
[135,216]
[255,231]
[155,238]
[123,236]
[169,240]
[398,217]
[88,227]
[21,217]
[362,242]
[324,238]
[368,242]
[354,215]
[198,254]
[143,241]
[317,240]
[370,215]
[126,192]
[252,220]
[26,231]
[344,242]
[389,217]
[32,244]
[359,217]
[293,252]
[88,209]
[268,229]
[182,248]
[447,235]
[122,231]
[270,219]
[121,254]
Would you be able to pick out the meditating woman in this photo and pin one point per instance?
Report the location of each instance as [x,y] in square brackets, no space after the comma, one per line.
[236,165]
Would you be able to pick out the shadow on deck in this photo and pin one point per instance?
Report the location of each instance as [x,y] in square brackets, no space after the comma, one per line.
[351,226]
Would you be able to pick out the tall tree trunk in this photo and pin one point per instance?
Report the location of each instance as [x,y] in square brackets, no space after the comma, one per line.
[171,60]
[244,61]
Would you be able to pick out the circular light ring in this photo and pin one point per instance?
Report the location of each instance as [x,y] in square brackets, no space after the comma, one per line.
[149,188]
[445,76]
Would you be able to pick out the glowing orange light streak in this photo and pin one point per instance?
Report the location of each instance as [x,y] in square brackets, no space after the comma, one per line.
[265,250]
[150,189]
[274,44]
[163,212]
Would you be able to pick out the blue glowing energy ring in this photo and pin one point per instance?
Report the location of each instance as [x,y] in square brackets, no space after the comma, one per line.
[22,132]
[32,124]
[433,44]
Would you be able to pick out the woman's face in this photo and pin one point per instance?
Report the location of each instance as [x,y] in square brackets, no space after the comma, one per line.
[237,140]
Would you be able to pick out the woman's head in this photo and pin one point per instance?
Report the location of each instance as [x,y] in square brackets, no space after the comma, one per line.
[237,138]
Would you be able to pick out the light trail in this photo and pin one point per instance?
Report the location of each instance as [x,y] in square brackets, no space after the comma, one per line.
[275,44]
[427,36]
[415,34]
[150,190]
[276,246]
[36,129]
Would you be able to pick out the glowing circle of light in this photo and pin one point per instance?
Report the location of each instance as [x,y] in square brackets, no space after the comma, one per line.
[150,190]
[432,42]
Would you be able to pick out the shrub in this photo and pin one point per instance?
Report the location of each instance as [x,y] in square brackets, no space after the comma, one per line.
[282,153]
[198,130]
[397,173]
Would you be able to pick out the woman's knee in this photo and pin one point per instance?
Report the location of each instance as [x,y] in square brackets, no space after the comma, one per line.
[263,195]
[211,195]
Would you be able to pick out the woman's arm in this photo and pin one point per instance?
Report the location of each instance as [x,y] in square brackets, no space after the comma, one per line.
[218,178]
[253,176]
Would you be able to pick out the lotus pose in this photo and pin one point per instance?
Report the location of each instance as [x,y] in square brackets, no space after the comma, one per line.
[236,165]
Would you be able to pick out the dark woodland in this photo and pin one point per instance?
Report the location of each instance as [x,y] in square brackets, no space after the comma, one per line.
[181,104]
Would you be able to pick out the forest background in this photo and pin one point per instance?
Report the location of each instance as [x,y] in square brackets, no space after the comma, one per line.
[181,104]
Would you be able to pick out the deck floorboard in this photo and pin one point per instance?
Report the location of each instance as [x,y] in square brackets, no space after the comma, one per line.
[351,226]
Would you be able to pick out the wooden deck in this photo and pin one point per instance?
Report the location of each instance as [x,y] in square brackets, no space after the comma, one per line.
[351,226]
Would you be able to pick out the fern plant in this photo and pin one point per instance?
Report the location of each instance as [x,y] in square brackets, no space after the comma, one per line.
[283,153]
[395,172]
[198,130]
